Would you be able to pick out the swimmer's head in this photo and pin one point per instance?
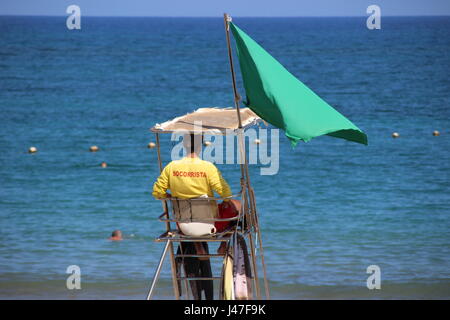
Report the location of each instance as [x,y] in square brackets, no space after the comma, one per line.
[116,234]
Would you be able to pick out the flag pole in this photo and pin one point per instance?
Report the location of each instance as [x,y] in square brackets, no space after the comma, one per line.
[243,156]
[227,19]
[245,176]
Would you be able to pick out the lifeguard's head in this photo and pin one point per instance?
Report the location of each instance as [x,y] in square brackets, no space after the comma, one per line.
[193,143]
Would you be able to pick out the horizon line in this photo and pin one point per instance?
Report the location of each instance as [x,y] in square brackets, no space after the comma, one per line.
[193,17]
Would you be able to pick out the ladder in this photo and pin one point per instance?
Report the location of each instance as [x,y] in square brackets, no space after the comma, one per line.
[173,235]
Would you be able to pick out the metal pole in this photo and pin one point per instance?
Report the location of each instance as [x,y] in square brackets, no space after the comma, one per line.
[252,251]
[158,271]
[227,19]
[244,167]
[242,153]
[261,250]
[165,206]
[166,210]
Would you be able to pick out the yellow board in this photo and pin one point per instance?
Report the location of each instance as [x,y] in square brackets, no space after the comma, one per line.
[228,287]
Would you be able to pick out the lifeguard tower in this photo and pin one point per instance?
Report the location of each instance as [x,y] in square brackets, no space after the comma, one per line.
[243,227]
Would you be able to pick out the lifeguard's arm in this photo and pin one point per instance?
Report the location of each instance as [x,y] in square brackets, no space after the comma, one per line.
[162,184]
[218,183]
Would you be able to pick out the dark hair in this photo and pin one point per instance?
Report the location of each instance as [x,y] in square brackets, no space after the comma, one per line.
[193,142]
[115,233]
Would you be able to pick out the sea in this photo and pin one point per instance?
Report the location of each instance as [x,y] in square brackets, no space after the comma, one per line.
[336,218]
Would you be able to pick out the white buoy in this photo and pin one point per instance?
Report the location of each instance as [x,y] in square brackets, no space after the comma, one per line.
[395,135]
[207,143]
[93,149]
[436,133]
[32,150]
[257,141]
[151,145]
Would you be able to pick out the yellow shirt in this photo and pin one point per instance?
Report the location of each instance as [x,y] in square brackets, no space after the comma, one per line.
[190,178]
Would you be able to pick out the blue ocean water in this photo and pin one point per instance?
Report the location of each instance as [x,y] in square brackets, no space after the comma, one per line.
[333,209]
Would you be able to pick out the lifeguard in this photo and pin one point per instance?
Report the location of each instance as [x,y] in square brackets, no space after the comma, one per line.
[192,177]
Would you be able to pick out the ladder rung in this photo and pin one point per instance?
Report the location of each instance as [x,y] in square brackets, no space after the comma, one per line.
[199,278]
[192,239]
[174,236]
[199,255]
[203,278]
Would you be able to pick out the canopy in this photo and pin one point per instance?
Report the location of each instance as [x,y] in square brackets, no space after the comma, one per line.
[209,120]
[278,97]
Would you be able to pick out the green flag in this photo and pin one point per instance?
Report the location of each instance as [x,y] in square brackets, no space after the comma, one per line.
[278,97]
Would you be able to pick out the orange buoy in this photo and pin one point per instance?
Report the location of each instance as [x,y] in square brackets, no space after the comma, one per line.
[151,145]
[104,164]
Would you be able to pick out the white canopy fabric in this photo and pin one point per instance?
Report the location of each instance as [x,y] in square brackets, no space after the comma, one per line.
[209,121]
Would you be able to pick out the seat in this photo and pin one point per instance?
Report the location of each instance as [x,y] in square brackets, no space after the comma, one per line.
[195,216]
